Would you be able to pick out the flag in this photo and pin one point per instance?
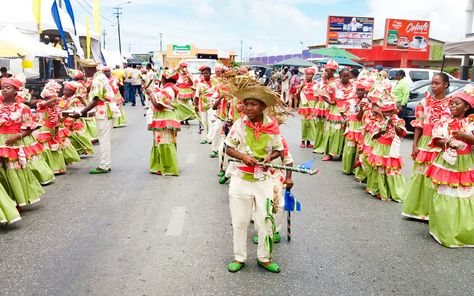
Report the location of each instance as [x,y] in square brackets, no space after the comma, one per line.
[88,39]
[291,204]
[57,20]
[37,13]
[96,14]
[71,14]
[307,165]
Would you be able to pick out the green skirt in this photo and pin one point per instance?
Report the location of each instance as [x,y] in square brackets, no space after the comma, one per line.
[390,187]
[91,129]
[318,132]
[185,112]
[55,160]
[349,157]
[8,212]
[70,154]
[333,139]
[121,121]
[164,159]
[452,220]
[308,130]
[41,170]
[82,143]
[20,183]
[418,194]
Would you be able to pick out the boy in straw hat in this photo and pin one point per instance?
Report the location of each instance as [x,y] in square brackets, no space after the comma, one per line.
[101,97]
[252,139]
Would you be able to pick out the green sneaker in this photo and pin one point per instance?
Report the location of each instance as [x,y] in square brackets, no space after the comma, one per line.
[223,179]
[235,266]
[276,238]
[272,267]
[213,154]
[203,142]
[99,171]
[220,174]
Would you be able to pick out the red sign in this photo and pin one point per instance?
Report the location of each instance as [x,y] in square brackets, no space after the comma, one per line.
[406,35]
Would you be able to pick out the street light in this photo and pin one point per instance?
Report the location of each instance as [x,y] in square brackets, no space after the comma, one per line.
[302,46]
[118,13]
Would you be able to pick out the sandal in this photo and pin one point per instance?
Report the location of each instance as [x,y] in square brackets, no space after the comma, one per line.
[99,171]
[220,174]
[235,266]
[327,158]
[213,154]
[302,145]
[272,266]
[203,142]
[223,180]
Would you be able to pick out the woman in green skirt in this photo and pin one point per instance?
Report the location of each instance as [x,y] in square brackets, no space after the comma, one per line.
[451,212]
[16,153]
[306,93]
[165,126]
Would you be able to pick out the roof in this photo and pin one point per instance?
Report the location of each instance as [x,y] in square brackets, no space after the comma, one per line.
[295,62]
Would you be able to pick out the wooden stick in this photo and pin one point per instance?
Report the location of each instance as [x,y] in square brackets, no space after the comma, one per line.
[283,167]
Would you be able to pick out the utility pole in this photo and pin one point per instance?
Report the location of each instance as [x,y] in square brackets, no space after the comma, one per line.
[241,51]
[161,42]
[118,12]
[104,33]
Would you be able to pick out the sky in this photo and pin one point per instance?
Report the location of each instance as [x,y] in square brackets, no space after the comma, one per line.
[266,27]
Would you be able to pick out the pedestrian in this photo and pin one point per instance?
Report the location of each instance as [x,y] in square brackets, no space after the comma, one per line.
[385,157]
[401,90]
[252,139]
[127,83]
[451,219]
[432,109]
[19,148]
[4,73]
[307,98]
[101,97]
[185,94]
[136,86]
[285,84]
[295,83]
[120,75]
[165,126]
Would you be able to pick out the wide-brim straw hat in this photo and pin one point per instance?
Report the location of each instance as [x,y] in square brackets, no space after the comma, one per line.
[89,63]
[244,87]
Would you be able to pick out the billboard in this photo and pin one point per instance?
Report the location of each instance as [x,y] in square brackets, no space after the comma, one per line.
[406,35]
[181,49]
[350,31]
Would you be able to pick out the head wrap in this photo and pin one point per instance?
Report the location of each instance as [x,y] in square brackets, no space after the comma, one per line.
[183,64]
[219,68]
[13,81]
[387,102]
[51,89]
[204,67]
[331,64]
[243,70]
[72,85]
[75,74]
[171,74]
[467,95]
[310,70]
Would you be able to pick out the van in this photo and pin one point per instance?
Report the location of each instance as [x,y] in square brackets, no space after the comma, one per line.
[415,74]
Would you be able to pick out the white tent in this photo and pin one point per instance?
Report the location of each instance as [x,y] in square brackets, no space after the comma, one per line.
[34,47]
[463,47]
[112,58]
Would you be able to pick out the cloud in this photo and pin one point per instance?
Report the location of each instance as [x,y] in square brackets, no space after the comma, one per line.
[447,17]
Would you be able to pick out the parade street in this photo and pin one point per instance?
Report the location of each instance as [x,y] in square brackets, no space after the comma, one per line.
[133,233]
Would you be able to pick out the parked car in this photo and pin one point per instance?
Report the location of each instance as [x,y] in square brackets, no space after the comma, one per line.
[415,74]
[418,93]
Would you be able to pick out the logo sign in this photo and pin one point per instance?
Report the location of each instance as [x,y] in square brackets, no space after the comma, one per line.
[406,35]
[350,32]
[182,49]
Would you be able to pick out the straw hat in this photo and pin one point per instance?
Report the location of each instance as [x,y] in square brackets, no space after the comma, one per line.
[89,63]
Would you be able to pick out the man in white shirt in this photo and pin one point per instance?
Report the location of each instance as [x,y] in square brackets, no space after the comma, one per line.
[285,84]
[136,85]
[127,83]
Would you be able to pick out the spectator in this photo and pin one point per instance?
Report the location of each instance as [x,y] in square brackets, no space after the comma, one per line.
[4,73]
[120,75]
[285,84]
[127,85]
[136,86]
[294,84]
[401,89]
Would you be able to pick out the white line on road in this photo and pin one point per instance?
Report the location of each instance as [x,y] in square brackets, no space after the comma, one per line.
[191,158]
[176,223]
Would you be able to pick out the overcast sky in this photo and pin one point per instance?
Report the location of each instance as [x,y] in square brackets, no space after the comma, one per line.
[265,26]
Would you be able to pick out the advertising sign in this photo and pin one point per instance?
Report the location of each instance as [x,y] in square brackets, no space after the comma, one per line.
[406,35]
[182,49]
[350,31]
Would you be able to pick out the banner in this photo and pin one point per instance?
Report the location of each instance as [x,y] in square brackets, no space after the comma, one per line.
[57,20]
[37,13]
[88,39]
[71,14]
[96,14]
[350,32]
[406,35]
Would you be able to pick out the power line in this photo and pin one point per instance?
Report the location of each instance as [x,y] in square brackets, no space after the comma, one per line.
[90,13]
[90,6]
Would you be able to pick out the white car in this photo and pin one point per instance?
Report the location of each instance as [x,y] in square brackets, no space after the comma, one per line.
[195,64]
[415,74]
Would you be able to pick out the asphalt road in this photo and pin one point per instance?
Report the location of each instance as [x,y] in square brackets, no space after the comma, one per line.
[133,233]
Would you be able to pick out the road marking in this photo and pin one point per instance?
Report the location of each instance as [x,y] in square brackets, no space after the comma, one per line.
[191,158]
[176,223]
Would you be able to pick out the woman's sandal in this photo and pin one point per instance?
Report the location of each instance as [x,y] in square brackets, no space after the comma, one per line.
[272,267]
[235,266]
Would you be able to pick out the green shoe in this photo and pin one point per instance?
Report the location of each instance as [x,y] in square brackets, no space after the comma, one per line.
[272,267]
[99,171]
[213,154]
[220,174]
[223,179]
[255,239]
[235,266]
[203,142]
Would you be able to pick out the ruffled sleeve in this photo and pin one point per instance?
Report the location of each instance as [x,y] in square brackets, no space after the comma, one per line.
[419,116]
[27,119]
